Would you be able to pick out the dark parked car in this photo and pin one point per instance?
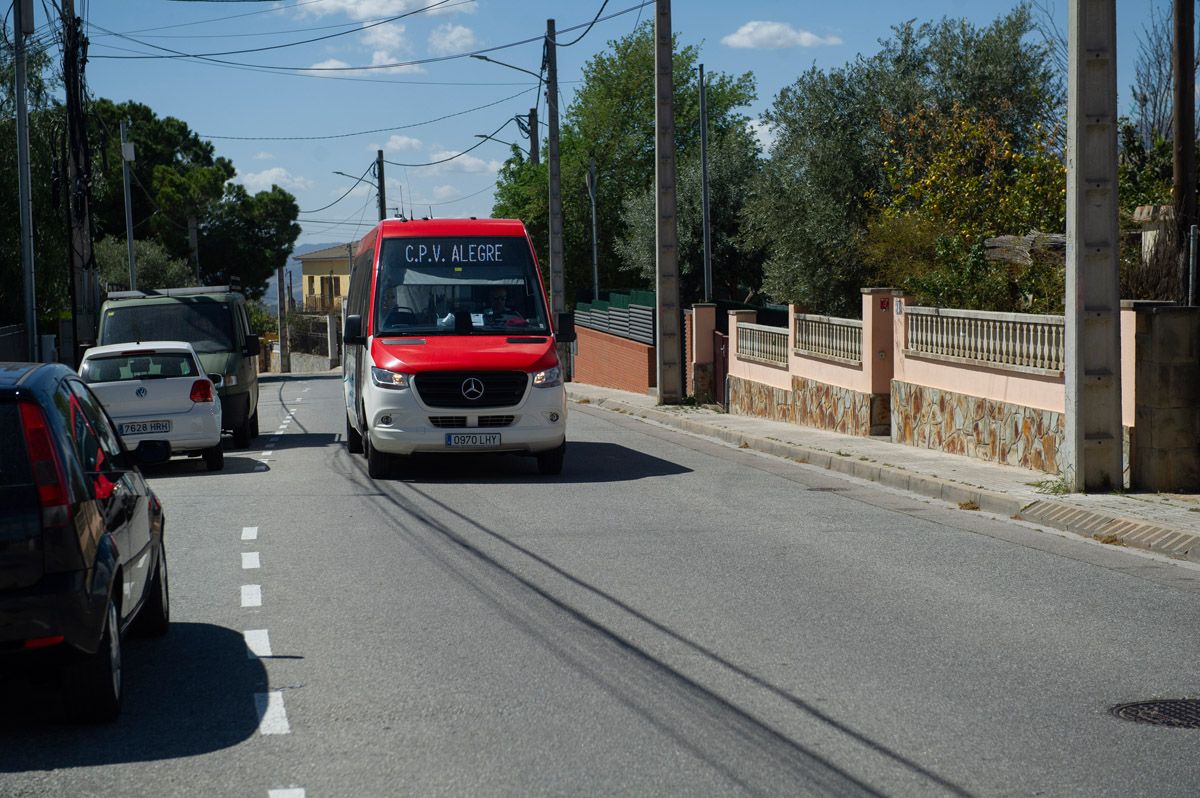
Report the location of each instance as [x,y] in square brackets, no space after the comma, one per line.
[81,537]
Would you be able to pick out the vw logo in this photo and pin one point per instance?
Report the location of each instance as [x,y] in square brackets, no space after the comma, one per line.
[472,388]
[141,392]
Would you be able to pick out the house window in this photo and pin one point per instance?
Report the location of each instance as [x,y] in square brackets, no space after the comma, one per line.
[337,286]
[311,285]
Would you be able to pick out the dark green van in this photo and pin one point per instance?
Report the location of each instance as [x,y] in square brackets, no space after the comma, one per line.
[213,320]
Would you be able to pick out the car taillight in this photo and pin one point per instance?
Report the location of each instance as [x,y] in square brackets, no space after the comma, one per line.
[202,391]
[47,468]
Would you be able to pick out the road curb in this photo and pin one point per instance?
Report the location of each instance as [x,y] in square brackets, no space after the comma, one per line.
[1058,515]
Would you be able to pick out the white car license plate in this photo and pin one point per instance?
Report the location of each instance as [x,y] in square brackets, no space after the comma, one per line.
[472,440]
[145,427]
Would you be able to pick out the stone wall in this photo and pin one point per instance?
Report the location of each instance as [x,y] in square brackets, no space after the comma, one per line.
[981,428]
[809,403]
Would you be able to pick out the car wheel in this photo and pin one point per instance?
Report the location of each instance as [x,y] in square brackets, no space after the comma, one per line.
[254,424]
[379,464]
[241,434]
[96,685]
[550,463]
[214,458]
[155,618]
[354,440]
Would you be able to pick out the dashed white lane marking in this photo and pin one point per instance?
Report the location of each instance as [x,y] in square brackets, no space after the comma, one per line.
[250,560]
[249,533]
[289,792]
[272,717]
[260,467]
[251,595]
[258,643]
[306,390]
[267,453]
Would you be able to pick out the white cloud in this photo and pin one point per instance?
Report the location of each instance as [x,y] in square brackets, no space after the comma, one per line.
[385,37]
[275,176]
[381,57]
[264,156]
[399,144]
[449,39]
[445,192]
[763,133]
[758,35]
[329,63]
[464,163]
[379,9]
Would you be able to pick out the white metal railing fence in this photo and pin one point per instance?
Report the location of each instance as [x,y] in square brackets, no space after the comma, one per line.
[761,344]
[1015,341]
[830,338]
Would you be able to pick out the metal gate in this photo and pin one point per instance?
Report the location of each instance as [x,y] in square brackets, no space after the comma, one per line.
[720,366]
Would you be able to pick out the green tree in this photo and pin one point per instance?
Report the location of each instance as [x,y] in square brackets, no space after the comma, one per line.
[248,237]
[736,267]
[155,268]
[827,173]
[611,120]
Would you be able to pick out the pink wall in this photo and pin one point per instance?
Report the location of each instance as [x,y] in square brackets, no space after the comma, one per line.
[756,372]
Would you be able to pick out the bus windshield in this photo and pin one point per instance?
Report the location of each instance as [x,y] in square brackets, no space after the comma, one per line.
[458,285]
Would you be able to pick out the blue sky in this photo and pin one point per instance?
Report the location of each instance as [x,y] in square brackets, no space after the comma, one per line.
[291,128]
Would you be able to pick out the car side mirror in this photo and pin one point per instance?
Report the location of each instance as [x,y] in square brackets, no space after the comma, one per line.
[150,452]
[352,331]
[253,346]
[565,328]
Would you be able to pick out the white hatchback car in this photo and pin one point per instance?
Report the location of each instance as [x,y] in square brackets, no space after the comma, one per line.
[157,390]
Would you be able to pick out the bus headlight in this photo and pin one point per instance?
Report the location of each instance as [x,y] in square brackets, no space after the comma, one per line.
[548,378]
[392,380]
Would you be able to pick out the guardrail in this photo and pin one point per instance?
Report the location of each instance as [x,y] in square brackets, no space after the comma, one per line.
[759,343]
[829,338]
[1033,344]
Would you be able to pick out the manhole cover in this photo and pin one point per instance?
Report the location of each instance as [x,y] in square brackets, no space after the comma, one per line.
[1179,713]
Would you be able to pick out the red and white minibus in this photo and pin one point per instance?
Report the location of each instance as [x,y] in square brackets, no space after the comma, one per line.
[449,344]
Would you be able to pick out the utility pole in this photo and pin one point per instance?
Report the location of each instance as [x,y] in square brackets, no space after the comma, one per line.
[533,136]
[379,177]
[1184,126]
[285,357]
[557,289]
[704,188]
[194,244]
[1091,451]
[127,156]
[669,345]
[87,289]
[22,27]
[591,187]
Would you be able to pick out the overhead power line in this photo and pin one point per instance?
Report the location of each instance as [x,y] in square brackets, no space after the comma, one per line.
[589,27]
[175,54]
[339,199]
[367,132]
[480,143]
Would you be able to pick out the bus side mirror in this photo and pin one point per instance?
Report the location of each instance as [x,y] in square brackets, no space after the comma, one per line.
[352,331]
[565,328]
[253,346]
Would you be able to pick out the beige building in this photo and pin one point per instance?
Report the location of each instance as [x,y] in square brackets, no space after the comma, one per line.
[325,278]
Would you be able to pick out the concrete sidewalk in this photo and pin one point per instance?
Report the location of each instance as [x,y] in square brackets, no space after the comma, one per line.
[1165,523]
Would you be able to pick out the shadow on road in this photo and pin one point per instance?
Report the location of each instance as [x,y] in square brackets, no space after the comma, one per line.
[189,693]
[586,461]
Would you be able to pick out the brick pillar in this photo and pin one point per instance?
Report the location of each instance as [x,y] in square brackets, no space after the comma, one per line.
[878,353]
[1166,451]
[704,322]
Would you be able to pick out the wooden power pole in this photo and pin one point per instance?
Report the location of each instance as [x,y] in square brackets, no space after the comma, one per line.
[1184,127]
[83,271]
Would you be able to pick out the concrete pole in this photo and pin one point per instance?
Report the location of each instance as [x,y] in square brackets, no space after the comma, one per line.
[669,344]
[591,187]
[127,154]
[285,356]
[22,27]
[558,302]
[1184,127]
[534,136]
[707,231]
[1092,447]
[382,191]
[194,244]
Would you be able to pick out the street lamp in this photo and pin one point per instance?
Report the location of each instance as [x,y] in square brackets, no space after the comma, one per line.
[510,66]
[500,141]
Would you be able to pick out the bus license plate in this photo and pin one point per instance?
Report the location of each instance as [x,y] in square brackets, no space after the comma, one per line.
[145,427]
[472,440]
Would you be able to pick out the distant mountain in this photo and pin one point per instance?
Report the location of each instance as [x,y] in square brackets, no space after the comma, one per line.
[271,297]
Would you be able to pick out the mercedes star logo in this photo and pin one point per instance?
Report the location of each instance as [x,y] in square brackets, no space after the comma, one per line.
[472,388]
[141,392]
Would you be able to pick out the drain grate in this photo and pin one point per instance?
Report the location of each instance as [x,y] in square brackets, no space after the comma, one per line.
[1178,713]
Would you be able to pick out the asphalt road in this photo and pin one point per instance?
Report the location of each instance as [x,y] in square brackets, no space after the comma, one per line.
[670,616]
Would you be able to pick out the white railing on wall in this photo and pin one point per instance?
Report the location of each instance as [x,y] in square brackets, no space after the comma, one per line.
[761,344]
[829,338]
[1014,341]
